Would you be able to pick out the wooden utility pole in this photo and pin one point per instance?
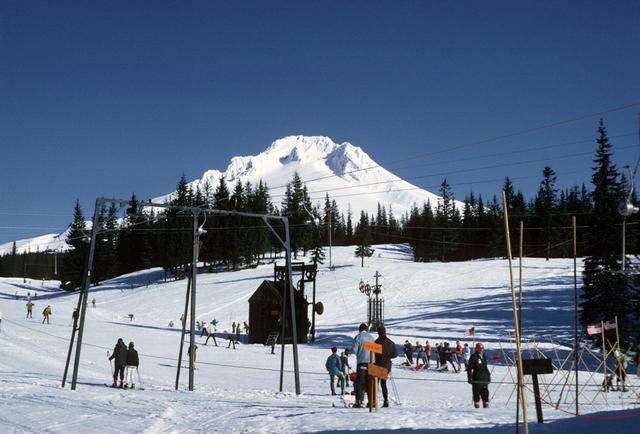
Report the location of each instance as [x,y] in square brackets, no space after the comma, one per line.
[515,315]
[575,308]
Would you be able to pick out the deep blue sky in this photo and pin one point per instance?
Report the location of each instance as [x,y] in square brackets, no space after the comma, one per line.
[107,98]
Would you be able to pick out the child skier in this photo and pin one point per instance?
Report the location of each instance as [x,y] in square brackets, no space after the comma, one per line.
[132,366]
[334,367]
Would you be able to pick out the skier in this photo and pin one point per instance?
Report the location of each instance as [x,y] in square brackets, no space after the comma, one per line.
[232,341]
[344,360]
[238,332]
[458,353]
[74,317]
[246,328]
[427,352]
[334,368]
[388,352]
[30,309]
[408,352]
[195,349]
[362,357]
[479,377]
[421,355]
[621,369]
[446,357]
[466,355]
[120,356]
[132,365]
[438,356]
[46,313]
[211,333]
[93,302]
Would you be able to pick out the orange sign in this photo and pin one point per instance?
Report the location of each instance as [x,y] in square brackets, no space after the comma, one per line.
[377,371]
[371,346]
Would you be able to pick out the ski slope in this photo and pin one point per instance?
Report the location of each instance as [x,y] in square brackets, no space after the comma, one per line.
[236,391]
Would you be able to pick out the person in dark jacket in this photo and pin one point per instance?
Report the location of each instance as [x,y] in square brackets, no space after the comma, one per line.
[388,352]
[408,352]
[132,366]
[446,357]
[120,361]
[479,377]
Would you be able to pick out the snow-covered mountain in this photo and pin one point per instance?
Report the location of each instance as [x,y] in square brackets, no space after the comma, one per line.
[343,170]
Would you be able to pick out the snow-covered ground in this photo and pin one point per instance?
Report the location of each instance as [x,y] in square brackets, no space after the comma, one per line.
[237,390]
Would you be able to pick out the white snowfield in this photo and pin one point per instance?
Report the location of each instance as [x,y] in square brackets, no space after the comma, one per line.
[236,391]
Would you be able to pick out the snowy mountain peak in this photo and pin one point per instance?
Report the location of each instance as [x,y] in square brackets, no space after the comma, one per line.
[344,171]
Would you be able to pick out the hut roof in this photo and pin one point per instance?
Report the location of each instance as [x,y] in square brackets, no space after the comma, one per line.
[271,291]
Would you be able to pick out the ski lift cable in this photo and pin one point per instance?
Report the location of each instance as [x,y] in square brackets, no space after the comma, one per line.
[446,174]
[488,140]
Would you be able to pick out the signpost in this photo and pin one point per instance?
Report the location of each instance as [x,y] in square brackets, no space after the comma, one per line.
[375,372]
[535,367]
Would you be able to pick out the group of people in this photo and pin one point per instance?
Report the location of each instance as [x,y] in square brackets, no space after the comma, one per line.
[124,359]
[476,366]
[445,355]
[46,313]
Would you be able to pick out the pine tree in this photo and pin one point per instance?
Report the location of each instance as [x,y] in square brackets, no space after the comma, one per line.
[75,260]
[447,217]
[546,204]
[606,292]
[363,238]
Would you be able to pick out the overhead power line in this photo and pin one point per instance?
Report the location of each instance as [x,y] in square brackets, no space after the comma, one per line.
[481,142]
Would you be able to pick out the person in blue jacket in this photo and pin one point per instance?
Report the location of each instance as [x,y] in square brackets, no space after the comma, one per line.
[362,360]
[334,367]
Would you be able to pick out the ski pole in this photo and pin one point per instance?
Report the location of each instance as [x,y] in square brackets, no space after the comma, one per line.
[110,363]
[139,380]
[395,389]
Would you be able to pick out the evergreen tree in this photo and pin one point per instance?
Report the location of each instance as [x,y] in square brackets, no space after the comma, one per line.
[545,205]
[447,217]
[75,260]
[363,238]
[606,291]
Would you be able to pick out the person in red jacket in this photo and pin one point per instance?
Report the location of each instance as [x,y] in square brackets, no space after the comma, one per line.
[427,351]
[458,353]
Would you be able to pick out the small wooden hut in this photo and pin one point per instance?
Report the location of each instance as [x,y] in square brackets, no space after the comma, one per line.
[264,313]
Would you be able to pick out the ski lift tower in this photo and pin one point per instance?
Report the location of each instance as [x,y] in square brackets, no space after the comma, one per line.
[375,305]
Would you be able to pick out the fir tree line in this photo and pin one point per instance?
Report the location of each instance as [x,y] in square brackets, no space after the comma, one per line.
[443,231]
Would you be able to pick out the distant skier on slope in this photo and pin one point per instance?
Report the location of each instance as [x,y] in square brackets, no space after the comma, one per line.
[479,377]
[30,309]
[120,356]
[132,366]
[211,333]
[46,313]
